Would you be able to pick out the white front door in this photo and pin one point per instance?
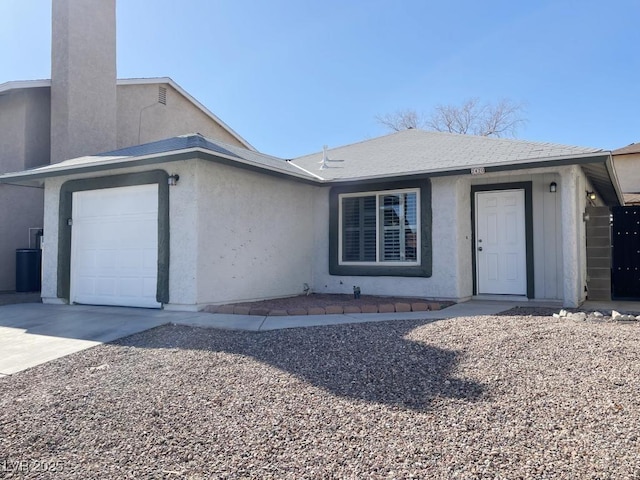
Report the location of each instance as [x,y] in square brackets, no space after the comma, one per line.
[501,249]
[114,246]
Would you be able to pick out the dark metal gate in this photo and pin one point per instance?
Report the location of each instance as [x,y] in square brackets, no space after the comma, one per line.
[625,274]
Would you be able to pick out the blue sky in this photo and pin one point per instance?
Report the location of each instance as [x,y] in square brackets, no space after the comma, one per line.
[291,75]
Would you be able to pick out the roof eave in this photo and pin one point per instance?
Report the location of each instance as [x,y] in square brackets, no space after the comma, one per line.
[614,179]
[22,84]
[593,157]
[610,192]
[37,175]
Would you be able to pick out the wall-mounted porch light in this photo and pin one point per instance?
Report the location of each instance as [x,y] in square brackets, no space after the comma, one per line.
[553,187]
[172,180]
[591,195]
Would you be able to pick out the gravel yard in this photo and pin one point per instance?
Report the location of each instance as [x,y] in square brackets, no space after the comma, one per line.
[483,397]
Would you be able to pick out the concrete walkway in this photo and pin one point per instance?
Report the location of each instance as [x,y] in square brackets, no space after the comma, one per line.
[34,333]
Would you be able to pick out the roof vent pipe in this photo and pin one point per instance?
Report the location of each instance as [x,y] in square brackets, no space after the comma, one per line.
[325,159]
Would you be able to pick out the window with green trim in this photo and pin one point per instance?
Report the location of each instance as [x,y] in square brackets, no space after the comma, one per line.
[380,227]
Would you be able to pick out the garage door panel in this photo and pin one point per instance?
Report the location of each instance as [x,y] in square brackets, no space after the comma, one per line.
[104,259]
[105,286]
[115,246]
[87,285]
[150,285]
[112,202]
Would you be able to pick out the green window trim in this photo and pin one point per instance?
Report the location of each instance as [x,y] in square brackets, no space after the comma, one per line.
[365,256]
[379,228]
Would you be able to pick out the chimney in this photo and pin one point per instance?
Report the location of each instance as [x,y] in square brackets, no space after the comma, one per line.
[83,78]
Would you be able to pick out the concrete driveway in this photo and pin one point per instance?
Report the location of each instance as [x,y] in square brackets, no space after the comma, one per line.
[33,333]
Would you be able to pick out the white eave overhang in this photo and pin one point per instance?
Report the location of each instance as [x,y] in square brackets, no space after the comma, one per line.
[94,164]
[597,166]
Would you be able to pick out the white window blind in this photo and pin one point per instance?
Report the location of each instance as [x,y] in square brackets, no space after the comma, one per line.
[380,227]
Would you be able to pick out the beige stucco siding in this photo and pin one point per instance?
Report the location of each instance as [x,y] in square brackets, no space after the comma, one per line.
[51,215]
[554,278]
[445,282]
[142,119]
[24,143]
[83,78]
[21,210]
[238,235]
[547,218]
[255,235]
[24,129]
[234,235]
[628,171]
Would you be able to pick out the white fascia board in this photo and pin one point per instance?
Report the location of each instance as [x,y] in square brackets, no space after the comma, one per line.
[614,179]
[318,177]
[185,94]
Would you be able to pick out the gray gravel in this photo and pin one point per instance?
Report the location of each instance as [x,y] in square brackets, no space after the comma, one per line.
[485,397]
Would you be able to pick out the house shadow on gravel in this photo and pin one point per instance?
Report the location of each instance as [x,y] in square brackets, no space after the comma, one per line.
[371,362]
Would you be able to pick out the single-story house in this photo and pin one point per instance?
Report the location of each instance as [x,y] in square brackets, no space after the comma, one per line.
[189,221]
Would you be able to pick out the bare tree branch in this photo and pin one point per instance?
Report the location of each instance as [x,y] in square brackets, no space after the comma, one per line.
[471,117]
[400,120]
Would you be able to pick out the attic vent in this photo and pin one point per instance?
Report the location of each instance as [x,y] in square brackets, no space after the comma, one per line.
[162,95]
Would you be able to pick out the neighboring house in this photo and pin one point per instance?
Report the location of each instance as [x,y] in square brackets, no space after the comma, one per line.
[627,162]
[414,213]
[82,110]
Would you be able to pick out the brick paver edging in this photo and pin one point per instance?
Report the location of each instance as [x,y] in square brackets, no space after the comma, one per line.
[328,310]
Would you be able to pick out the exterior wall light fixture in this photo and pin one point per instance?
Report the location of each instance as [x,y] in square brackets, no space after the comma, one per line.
[591,195]
[553,187]
[172,180]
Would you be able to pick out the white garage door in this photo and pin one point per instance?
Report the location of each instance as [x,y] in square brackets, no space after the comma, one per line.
[114,246]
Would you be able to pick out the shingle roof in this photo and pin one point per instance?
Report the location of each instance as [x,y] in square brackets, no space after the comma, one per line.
[633,148]
[171,149]
[181,142]
[419,151]
[406,153]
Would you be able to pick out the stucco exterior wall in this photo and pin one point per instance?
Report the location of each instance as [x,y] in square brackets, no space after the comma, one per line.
[12,131]
[628,170]
[83,78]
[51,214]
[24,143]
[234,235]
[255,235]
[237,235]
[24,129]
[50,240]
[448,251]
[142,119]
[547,218]
[452,240]
[183,236]
[574,247]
